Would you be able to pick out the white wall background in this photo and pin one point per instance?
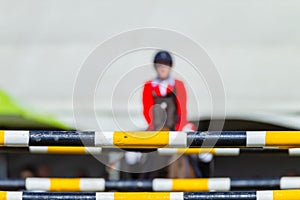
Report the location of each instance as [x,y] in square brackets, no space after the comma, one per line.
[255,45]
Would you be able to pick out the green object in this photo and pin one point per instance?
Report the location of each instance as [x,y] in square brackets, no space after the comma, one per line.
[13,116]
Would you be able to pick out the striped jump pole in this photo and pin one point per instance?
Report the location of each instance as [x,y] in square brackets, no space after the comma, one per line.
[71,150]
[230,151]
[161,151]
[241,195]
[148,139]
[155,185]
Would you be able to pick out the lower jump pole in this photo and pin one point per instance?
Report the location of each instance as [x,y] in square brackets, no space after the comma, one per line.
[161,151]
[230,151]
[156,185]
[241,195]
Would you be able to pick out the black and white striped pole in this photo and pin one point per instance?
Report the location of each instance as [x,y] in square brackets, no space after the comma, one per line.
[155,185]
[146,139]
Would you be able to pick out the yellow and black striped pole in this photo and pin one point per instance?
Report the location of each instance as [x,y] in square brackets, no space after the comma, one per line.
[148,139]
[155,185]
[218,151]
[246,195]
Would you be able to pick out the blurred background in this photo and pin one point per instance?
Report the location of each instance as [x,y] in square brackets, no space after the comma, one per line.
[254,44]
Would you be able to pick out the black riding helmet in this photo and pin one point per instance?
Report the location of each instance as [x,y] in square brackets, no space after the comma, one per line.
[163,57]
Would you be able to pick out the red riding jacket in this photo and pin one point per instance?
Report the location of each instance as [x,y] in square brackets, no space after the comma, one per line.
[181,99]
